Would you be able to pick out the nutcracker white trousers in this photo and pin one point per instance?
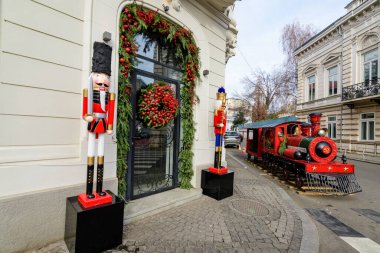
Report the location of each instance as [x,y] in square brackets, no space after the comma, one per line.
[91,144]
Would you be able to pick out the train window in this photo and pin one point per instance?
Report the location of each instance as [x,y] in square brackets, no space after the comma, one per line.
[269,138]
[292,129]
[250,134]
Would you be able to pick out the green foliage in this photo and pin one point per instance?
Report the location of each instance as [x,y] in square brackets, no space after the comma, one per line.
[239,118]
[282,146]
[180,43]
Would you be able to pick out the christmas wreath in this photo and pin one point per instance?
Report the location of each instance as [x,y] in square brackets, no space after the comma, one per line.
[157,105]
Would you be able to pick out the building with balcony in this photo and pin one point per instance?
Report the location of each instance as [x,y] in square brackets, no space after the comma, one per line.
[338,75]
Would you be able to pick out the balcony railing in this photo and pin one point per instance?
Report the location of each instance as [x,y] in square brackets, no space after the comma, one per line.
[361,90]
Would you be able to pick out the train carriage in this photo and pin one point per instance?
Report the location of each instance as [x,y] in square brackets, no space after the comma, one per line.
[301,150]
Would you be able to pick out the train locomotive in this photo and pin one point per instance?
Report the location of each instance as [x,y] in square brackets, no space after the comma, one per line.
[301,151]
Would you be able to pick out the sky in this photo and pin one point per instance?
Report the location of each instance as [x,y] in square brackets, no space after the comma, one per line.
[260,24]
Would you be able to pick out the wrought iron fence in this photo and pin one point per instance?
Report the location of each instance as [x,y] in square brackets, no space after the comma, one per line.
[359,90]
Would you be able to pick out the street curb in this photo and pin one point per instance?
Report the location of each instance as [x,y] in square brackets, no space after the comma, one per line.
[371,160]
[363,161]
[310,237]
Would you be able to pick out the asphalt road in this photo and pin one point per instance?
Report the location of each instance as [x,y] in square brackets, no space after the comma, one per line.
[341,207]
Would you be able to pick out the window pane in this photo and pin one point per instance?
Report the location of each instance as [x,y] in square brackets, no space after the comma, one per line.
[312,79]
[333,70]
[331,118]
[372,55]
[330,87]
[333,80]
[146,49]
[366,72]
[143,81]
[168,72]
[368,115]
[371,130]
[329,130]
[334,131]
[374,68]
[364,130]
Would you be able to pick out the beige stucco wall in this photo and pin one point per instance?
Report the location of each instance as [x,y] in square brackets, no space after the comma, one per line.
[342,45]
[45,60]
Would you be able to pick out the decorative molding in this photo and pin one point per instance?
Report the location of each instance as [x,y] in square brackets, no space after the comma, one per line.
[175,4]
[231,34]
[221,5]
[346,23]
[331,57]
[369,40]
[310,68]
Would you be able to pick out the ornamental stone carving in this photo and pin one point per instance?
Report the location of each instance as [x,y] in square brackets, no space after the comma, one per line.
[220,5]
[370,40]
[231,34]
[175,4]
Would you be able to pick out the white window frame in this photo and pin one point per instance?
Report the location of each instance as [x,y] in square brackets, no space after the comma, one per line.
[328,80]
[332,123]
[363,62]
[308,87]
[367,126]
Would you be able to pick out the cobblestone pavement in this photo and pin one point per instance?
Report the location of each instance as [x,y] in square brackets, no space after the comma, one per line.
[254,219]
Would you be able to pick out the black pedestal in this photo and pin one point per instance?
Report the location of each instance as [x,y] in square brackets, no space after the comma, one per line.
[93,229]
[217,186]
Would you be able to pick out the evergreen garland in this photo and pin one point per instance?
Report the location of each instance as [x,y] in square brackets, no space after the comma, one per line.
[135,20]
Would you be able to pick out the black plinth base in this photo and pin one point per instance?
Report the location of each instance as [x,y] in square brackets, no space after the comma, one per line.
[94,229]
[217,186]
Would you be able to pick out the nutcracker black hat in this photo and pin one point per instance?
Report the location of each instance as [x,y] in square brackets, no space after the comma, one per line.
[101,60]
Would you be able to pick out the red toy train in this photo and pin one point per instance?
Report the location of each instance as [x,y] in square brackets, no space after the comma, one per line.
[301,150]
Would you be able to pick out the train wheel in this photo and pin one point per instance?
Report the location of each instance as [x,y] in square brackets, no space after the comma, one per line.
[299,182]
[285,174]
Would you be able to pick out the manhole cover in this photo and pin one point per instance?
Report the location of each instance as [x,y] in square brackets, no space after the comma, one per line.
[249,207]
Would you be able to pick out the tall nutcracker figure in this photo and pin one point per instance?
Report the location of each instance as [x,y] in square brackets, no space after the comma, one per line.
[220,120]
[98,111]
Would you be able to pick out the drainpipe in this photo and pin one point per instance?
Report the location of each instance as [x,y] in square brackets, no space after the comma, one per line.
[341,127]
[340,32]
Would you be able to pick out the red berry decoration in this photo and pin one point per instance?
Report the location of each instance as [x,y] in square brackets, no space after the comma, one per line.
[157,105]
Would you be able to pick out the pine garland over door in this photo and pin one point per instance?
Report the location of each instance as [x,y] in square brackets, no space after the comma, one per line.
[179,41]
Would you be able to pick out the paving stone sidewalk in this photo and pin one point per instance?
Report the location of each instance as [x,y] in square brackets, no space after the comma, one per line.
[255,219]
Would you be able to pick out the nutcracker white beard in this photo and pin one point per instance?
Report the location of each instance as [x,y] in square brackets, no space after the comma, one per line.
[103,99]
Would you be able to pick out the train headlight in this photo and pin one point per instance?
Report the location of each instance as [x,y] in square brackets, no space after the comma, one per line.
[321,132]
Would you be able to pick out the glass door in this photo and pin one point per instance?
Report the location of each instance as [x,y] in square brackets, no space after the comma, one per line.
[153,157]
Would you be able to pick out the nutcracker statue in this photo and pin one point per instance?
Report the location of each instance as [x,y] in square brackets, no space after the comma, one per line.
[220,120]
[98,111]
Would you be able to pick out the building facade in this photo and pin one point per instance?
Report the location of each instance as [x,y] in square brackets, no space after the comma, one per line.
[338,75]
[45,62]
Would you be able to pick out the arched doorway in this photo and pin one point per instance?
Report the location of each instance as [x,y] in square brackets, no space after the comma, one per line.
[153,48]
[153,156]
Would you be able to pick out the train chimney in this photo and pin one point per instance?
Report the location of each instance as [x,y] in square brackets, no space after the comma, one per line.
[315,119]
